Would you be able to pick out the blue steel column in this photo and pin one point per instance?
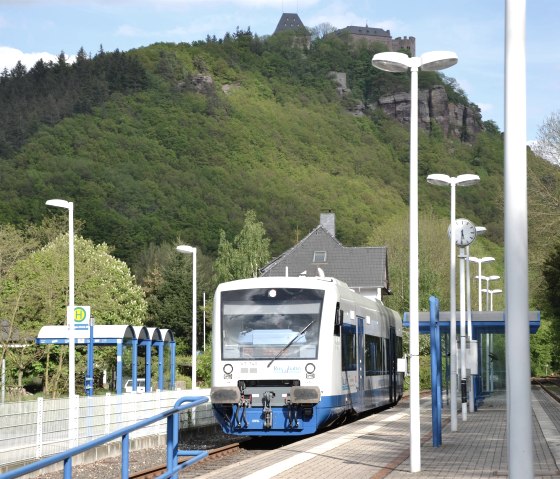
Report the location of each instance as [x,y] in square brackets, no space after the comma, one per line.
[160,366]
[172,366]
[119,365]
[134,365]
[435,356]
[148,366]
[89,374]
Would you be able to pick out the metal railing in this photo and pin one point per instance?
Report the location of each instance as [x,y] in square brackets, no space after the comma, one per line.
[33,430]
[173,452]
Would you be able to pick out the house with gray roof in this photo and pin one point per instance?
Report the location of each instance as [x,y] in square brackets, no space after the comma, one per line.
[363,269]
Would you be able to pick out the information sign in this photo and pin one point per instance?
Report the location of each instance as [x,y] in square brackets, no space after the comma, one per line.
[81,318]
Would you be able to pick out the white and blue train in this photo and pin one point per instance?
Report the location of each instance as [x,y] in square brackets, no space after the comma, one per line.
[292,355]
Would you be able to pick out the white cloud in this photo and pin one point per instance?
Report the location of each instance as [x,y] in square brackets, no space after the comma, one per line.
[10,56]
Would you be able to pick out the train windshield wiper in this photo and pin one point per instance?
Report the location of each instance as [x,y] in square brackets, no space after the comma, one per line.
[290,343]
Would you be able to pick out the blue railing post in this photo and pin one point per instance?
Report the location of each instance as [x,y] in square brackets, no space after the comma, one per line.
[125,450]
[435,356]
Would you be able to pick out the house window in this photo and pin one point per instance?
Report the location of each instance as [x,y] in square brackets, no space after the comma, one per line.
[320,257]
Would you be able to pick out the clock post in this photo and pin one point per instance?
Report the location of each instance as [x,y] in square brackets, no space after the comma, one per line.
[465,234]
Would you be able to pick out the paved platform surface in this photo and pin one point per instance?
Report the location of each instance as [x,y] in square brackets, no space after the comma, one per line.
[377,447]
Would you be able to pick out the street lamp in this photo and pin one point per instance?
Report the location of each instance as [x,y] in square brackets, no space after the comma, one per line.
[70,310]
[399,62]
[192,250]
[491,292]
[72,419]
[487,289]
[445,180]
[479,230]
[485,259]
[490,346]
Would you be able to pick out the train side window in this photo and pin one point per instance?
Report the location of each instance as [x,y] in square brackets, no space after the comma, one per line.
[338,319]
[349,355]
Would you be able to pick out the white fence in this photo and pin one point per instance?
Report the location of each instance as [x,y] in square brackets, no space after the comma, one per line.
[30,430]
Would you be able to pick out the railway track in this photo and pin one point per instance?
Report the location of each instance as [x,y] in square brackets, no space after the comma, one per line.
[550,385]
[219,457]
[213,455]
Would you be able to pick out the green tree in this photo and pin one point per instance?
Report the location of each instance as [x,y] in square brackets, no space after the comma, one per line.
[35,293]
[248,252]
[551,274]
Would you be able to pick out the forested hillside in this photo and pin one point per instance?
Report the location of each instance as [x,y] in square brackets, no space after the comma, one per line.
[181,140]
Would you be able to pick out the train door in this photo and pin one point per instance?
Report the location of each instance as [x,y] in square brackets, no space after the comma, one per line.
[361,360]
[393,394]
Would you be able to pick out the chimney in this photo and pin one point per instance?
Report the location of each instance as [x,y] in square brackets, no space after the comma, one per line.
[327,222]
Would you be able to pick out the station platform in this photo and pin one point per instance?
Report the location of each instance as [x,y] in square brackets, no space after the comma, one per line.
[377,447]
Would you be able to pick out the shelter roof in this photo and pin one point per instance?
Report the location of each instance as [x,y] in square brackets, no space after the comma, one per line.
[105,333]
[482,321]
[155,334]
[167,335]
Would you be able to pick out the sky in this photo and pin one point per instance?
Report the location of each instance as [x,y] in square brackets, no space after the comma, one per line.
[473,29]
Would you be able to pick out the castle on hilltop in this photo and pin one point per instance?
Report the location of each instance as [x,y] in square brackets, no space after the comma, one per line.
[292,22]
[378,35]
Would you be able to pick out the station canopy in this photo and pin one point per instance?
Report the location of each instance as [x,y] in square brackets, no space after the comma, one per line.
[121,335]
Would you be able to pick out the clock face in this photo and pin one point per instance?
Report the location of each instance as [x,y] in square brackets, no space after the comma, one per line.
[465,232]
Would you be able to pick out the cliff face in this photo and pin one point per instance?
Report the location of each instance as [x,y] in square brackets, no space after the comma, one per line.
[434,106]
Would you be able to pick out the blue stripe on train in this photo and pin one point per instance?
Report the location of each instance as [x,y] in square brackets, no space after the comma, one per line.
[324,413]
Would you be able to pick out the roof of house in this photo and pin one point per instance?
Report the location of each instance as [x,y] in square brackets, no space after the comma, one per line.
[289,21]
[359,267]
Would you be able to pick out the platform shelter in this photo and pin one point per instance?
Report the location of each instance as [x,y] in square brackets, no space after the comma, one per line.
[122,336]
[488,323]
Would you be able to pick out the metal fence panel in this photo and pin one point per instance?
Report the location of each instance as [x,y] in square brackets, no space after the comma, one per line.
[30,430]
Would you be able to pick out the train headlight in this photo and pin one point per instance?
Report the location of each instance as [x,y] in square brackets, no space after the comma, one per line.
[228,369]
[310,370]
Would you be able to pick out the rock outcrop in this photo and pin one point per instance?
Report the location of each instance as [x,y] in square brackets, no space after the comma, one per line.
[434,106]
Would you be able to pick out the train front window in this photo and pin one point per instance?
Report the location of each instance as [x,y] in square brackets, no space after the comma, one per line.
[260,323]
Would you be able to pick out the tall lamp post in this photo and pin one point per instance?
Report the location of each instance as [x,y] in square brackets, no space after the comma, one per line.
[397,62]
[70,310]
[72,407]
[493,277]
[479,230]
[489,336]
[479,261]
[186,249]
[445,180]
[491,292]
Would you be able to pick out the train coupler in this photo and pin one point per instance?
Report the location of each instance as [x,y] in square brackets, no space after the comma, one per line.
[267,410]
[241,409]
[293,422]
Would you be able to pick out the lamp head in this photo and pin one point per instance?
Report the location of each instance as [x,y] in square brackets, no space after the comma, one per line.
[186,249]
[59,203]
[438,60]
[467,179]
[394,62]
[439,179]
